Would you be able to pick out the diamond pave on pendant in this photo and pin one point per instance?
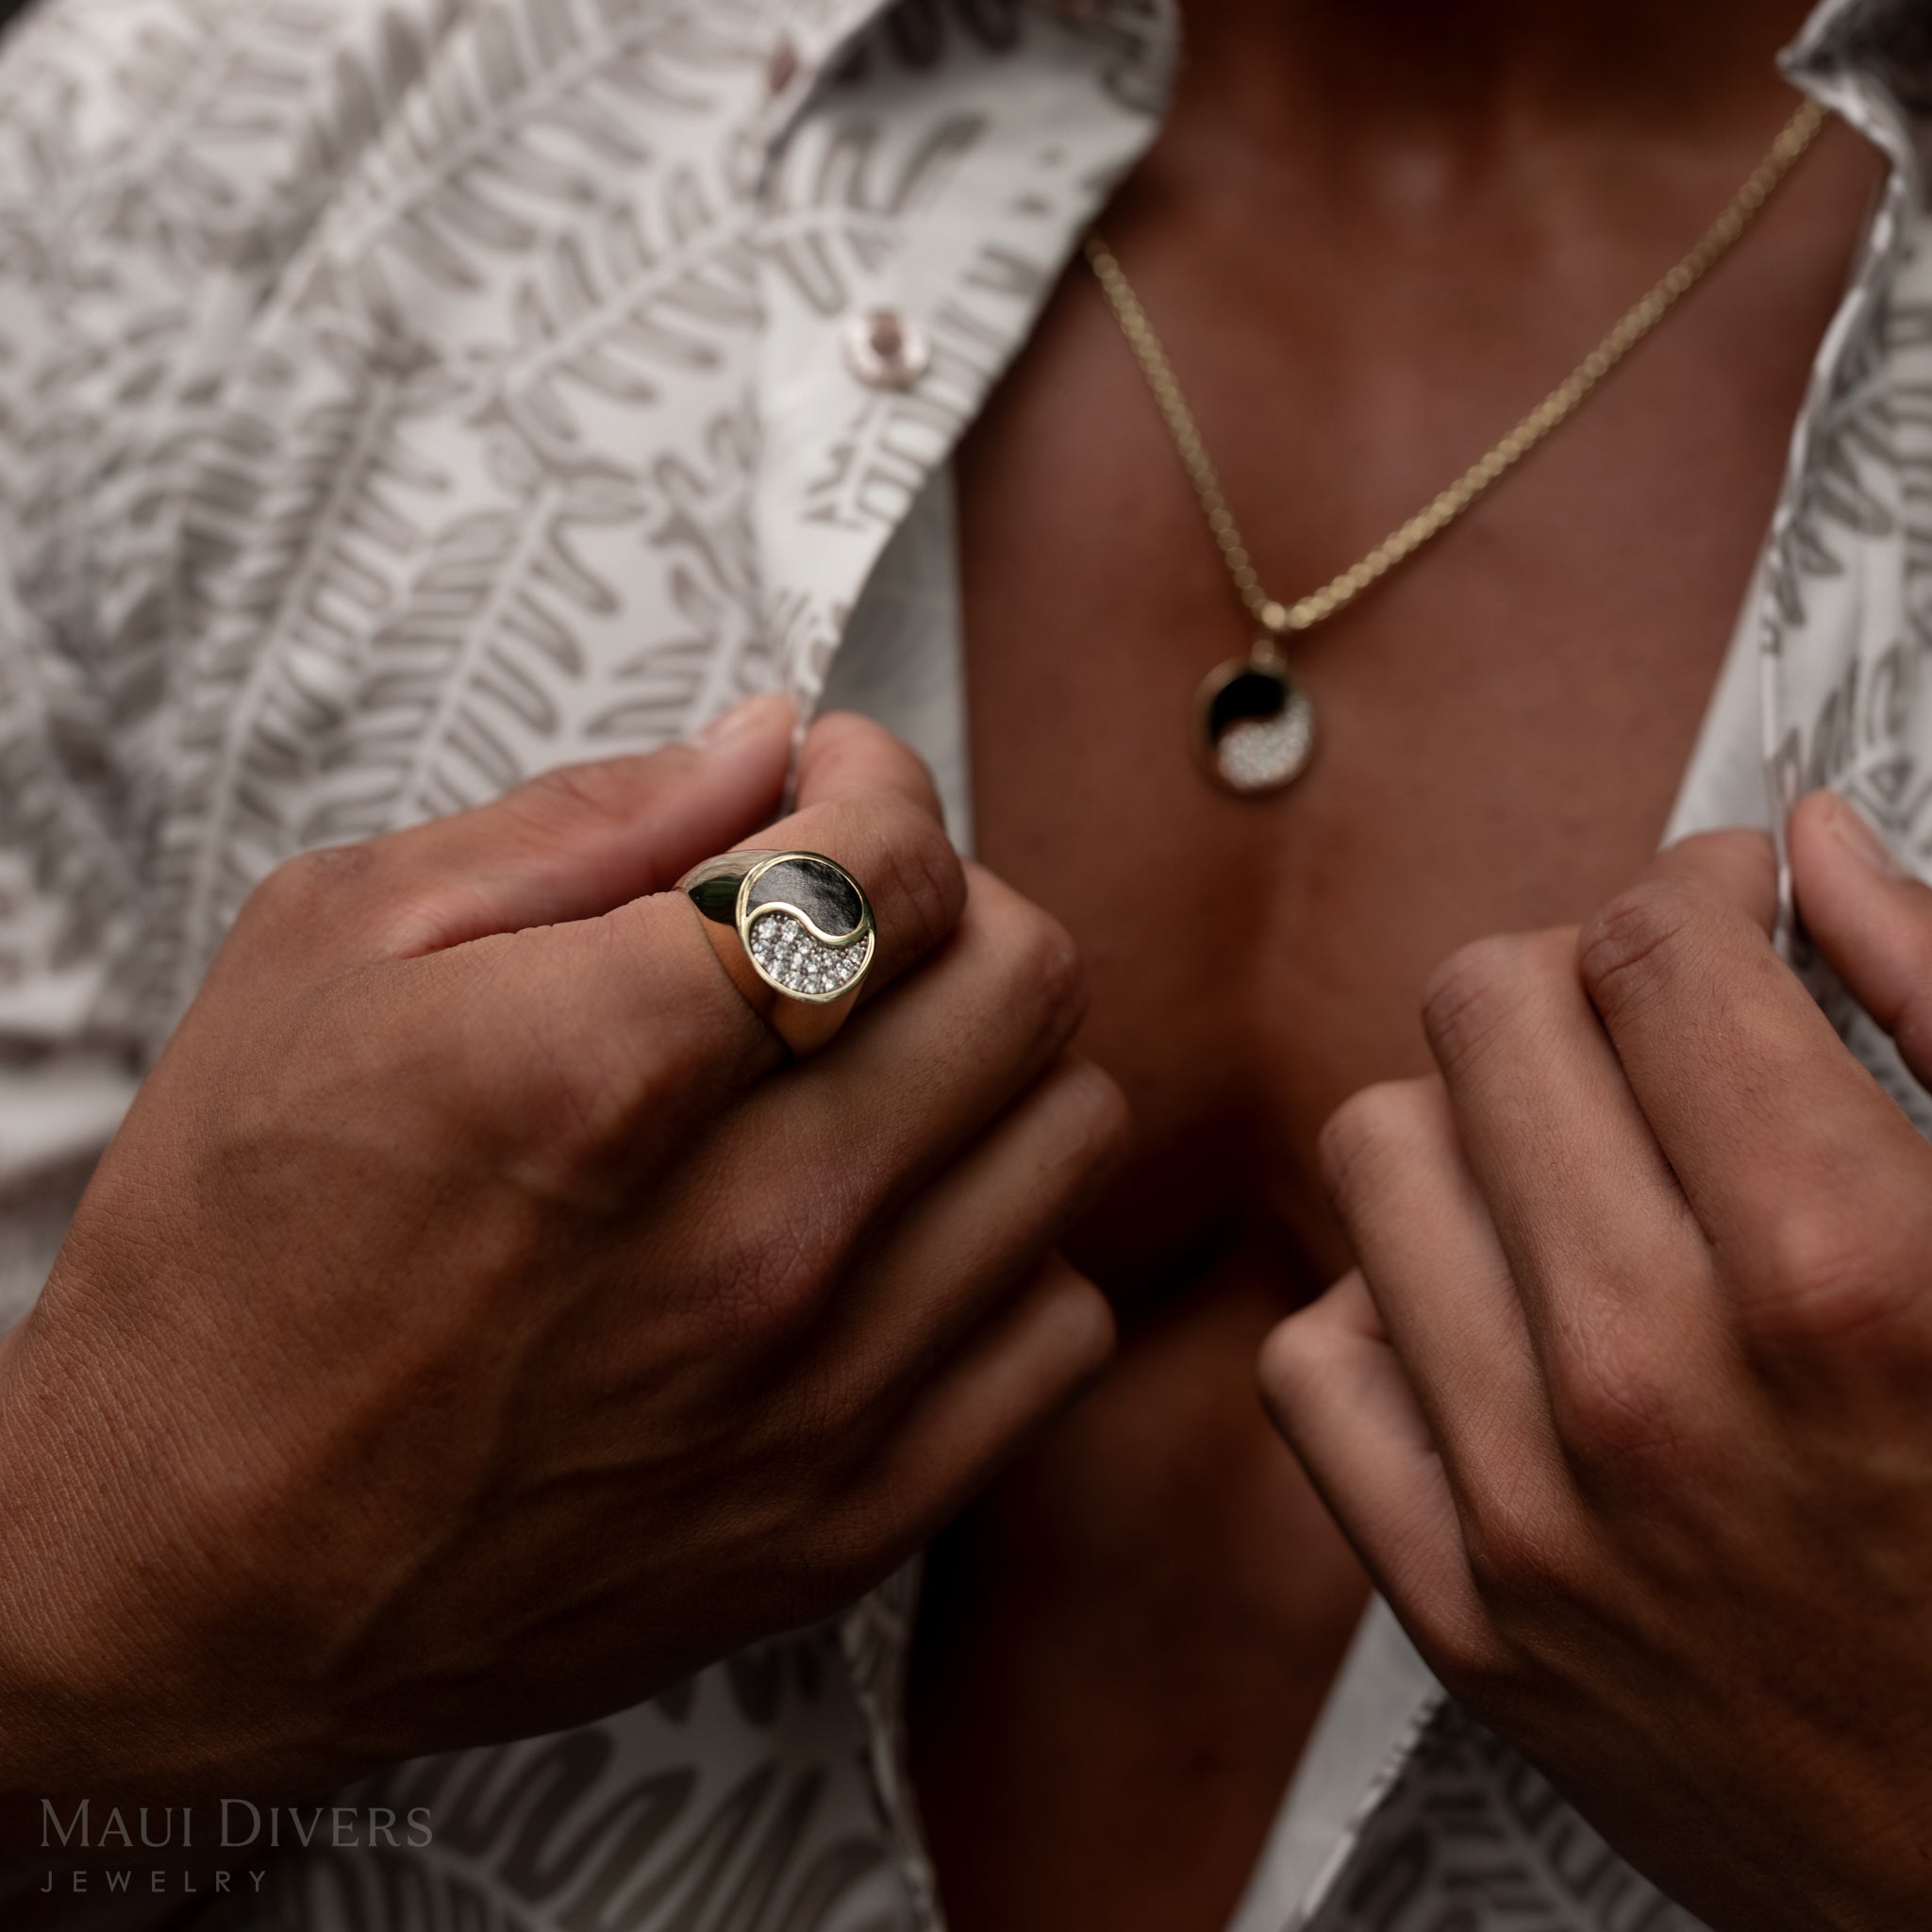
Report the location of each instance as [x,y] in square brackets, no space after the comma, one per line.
[1263,753]
[789,955]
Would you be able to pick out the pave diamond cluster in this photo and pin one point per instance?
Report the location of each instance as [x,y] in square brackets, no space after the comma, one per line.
[1260,754]
[791,956]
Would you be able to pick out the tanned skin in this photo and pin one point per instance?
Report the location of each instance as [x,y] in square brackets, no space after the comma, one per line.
[1375,233]
[1371,235]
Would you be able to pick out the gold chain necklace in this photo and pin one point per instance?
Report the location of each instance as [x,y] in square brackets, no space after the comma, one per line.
[1255,725]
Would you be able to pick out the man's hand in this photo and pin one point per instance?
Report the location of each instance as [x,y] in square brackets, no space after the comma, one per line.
[480,1324]
[1629,1405]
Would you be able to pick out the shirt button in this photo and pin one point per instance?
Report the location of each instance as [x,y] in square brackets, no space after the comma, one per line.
[781,70]
[886,349]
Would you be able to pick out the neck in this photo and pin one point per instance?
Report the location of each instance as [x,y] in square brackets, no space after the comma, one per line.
[1465,71]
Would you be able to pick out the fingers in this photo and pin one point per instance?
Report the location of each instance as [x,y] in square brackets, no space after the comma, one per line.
[1735,870]
[631,1023]
[917,1078]
[964,1244]
[871,807]
[1596,1231]
[866,800]
[1870,917]
[846,757]
[1026,1362]
[569,846]
[1337,1392]
[1436,1273]
[1754,1100]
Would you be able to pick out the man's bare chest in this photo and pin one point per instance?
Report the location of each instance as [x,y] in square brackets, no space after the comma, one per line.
[1504,726]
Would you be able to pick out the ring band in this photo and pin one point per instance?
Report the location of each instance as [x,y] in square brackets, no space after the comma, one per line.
[795,926]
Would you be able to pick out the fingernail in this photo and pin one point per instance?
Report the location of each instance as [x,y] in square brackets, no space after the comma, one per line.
[1863,839]
[760,711]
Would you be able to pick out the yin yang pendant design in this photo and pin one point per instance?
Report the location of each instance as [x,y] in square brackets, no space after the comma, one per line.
[1254,726]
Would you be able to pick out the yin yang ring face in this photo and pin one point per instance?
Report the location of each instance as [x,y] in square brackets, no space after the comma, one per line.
[794,933]
[805,927]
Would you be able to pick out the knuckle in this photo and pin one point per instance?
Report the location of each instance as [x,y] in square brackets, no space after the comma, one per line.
[1099,1122]
[922,874]
[1089,1325]
[1072,1335]
[315,885]
[589,792]
[1294,1359]
[1476,988]
[1032,963]
[1464,1649]
[809,1427]
[1517,1554]
[766,1281]
[861,1516]
[1630,947]
[1046,968]
[1826,1274]
[1620,1408]
[1367,1132]
[843,734]
[856,1546]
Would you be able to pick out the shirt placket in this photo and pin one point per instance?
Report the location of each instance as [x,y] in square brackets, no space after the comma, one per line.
[916,209]
[1836,559]
[1846,618]
[918,201]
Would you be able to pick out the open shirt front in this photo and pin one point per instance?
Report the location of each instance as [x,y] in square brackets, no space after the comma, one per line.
[400,397]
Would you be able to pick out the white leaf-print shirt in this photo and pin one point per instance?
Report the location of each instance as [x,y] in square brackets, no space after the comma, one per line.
[398,398]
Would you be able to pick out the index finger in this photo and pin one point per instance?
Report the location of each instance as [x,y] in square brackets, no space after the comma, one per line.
[1759,1106]
[845,756]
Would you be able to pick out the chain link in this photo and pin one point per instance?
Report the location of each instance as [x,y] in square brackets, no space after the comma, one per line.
[1482,475]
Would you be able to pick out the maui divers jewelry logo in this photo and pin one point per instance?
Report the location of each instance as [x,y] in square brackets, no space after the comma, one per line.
[197,1840]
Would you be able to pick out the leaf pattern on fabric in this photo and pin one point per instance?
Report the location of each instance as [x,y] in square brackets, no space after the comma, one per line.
[587,1832]
[400,397]
[1471,1839]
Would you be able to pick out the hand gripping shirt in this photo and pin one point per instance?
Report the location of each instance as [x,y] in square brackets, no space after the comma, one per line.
[399,397]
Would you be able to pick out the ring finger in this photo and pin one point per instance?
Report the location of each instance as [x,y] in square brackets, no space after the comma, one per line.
[845,1139]
[966,1243]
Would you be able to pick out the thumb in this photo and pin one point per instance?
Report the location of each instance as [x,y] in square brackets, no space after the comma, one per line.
[1870,918]
[581,840]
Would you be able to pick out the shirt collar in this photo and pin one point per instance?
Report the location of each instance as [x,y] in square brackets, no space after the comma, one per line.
[1869,53]
[1888,40]
[817,36]
[1871,63]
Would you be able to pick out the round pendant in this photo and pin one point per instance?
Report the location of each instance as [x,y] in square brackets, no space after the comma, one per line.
[1254,727]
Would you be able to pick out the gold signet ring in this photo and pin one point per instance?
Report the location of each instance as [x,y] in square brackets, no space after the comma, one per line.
[793,924]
